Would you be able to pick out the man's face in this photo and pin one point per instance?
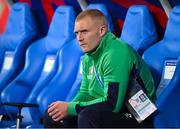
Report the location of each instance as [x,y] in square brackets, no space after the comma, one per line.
[88,33]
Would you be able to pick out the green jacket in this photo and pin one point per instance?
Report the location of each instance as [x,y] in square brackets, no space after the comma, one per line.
[114,61]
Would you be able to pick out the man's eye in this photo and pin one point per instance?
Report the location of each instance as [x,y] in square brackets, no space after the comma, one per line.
[84,32]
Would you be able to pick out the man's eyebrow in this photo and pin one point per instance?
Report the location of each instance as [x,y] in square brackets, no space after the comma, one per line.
[83,30]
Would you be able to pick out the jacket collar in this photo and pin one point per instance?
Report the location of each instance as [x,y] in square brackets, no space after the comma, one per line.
[99,50]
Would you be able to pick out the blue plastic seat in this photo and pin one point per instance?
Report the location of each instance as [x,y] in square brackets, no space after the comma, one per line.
[104,10]
[157,56]
[19,34]
[69,73]
[63,82]
[40,65]
[68,57]
[168,115]
[139,28]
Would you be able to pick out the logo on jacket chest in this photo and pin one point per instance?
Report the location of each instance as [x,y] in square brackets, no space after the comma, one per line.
[90,73]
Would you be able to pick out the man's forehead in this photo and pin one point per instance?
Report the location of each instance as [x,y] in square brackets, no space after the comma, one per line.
[81,26]
[84,23]
[86,18]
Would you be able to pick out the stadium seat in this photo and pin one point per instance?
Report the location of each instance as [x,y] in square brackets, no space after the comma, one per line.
[139,28]
[168,115]
[40,60]
[32,116]
[104,10]
[162,58]
[20,32]
[68,73]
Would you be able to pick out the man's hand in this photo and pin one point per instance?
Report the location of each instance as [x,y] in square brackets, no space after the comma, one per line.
[58,110]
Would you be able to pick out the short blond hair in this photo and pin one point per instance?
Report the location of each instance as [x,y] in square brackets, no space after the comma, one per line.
[95,14]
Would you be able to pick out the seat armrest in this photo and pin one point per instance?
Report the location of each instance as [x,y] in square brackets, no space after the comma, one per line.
[20,104]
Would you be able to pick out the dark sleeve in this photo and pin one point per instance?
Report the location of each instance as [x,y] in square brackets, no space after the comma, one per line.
[110,102]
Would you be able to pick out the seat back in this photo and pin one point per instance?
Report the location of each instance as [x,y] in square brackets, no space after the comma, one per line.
[157,56]
[168,115]
[63,60]
[62,82]
[40,59]
[166,49]
[61,29]
[139,28]
[19,34]
[104,10]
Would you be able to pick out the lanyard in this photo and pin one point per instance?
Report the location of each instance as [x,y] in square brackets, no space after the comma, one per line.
[97,77]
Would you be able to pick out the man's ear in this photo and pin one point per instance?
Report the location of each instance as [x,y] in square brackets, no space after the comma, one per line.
[103,30]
